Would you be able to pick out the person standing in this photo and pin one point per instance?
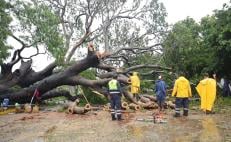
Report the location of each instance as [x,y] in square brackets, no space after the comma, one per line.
[160,91]
[207,92]
[115,98]
[225,90]
[182,92]
[135,85]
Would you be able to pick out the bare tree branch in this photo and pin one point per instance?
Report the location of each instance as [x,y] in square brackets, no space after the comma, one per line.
[145,66]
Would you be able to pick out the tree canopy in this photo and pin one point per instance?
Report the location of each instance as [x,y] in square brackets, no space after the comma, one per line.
[91,41]
[5,20]
[195,48]
[63,29]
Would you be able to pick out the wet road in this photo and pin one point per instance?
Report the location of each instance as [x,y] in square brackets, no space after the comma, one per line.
[61,127]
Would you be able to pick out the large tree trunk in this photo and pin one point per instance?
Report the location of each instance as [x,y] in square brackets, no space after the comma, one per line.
[46,81]
[53,81]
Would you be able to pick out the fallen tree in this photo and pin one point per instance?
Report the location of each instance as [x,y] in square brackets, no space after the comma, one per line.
[68,32]
[69,76]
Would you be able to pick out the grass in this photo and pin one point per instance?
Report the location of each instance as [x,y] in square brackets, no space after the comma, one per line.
[222,104]
[223,101]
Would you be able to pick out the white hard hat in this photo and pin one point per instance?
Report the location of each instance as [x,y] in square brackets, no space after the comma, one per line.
[159,77]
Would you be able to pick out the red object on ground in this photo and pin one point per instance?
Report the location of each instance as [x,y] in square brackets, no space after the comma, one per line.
[37,94]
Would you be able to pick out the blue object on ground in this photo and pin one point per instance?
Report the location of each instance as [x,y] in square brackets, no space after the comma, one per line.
[5,102]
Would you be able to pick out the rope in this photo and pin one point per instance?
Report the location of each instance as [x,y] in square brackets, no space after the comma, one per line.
[33,96]
[83,94]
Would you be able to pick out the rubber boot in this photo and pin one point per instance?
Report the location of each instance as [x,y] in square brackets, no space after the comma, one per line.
[119,117]
[113,117]
[185,113]
[209,112]
[176,115]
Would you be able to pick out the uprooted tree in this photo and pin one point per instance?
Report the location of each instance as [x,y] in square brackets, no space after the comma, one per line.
[129,32]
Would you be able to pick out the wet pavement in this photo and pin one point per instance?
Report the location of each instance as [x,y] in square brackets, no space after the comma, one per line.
[61,127]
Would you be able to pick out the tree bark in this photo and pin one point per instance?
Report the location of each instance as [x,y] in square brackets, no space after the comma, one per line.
[134,106]
[54,80]
[46,80]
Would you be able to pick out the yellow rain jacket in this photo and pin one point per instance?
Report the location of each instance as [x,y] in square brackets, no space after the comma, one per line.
[135,83]
[207,91]
[182,88]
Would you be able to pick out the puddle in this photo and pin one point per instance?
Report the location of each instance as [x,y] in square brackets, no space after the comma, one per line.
[58,127]
[136,131]
[209,131]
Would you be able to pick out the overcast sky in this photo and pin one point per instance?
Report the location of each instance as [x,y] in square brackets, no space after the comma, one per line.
[196,9]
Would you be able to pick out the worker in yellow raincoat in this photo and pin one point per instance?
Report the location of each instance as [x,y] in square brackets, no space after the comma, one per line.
[182,92]
[135,85]
[207,91]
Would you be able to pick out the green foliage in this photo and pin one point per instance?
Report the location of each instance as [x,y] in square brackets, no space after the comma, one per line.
[147,84]
[222,105]
[146,58]
[42,24]
[5,20]
[183,49]
[91,97]
[148,80]
[223,101]
[89,74]
[196,48]
[216,31]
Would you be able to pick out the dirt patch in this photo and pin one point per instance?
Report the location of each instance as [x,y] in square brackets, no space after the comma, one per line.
[97,126]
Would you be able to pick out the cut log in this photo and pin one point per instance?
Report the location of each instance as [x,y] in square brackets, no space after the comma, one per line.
[74,109]
[96,108]
[71,104]
[28,108]
[134,106]
[130,97]
[144,99]
[152,98]
[149,105]
[87,107]
[77,110]
[35,109]
[19,109]
[66,105]
[171,105]
[125,105]
[107,107]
